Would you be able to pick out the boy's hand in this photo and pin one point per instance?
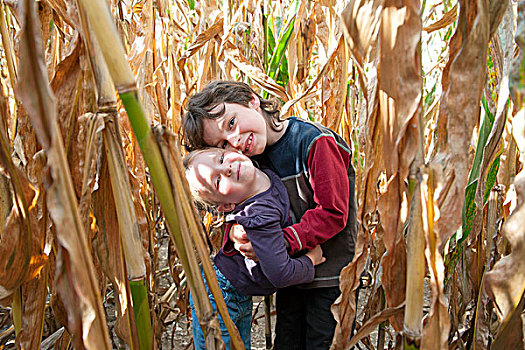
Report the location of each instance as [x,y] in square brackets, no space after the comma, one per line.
[241,242]
[316,255]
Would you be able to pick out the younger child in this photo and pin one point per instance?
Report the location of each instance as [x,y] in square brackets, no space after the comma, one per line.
[315,165]
[257,200]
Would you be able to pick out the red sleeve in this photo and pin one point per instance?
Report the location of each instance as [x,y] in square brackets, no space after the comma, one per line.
[227,244]
[328,166]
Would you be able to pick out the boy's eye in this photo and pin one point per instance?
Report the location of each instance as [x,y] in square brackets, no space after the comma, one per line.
[221,158]
[218,181]
[231,123]
[223,145]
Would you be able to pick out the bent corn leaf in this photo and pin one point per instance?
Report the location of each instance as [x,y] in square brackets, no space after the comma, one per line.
[76,281]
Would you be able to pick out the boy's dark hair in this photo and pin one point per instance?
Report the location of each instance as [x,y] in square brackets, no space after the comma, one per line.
[216,93]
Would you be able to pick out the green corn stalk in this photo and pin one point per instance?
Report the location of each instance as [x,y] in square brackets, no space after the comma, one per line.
[190,220]
[129,231]
[100,21]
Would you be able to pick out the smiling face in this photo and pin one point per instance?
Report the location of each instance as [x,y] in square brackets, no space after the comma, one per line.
[224,177]
[239,127]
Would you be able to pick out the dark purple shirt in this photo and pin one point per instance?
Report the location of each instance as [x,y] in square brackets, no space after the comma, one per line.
[263,217]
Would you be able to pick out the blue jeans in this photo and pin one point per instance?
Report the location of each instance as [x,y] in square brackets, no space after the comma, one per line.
[239,308]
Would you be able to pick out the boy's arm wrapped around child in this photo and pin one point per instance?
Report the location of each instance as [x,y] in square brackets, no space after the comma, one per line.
[328,164]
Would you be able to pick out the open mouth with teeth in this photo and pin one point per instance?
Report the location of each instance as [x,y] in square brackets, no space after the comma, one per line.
[248,146]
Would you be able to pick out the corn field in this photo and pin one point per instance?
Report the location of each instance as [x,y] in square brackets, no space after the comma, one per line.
[101,242]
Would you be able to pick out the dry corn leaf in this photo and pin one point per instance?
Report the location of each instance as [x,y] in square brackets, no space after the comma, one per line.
[497,10]
[25,143]
[107,246]
[6,200]
[506,281]
[344,308]
[334,88]
[448,18]
[463,82]
[361,21]
[399,81]
[399,85]
[175,86]
[76,280]
[373,322]
[203,38]
[34,295]
[326,68]
[295,52]
[67,10]
[256,74]
[21,257]
[65,86]
[437,325]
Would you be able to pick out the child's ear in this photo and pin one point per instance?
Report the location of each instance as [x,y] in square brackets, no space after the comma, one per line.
[255,102]
[226,207]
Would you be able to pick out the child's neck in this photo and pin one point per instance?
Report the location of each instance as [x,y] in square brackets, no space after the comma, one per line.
[274,136]
[262,184]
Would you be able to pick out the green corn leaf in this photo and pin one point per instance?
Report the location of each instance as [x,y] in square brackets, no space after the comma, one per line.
[270,40]
[469,206]
[280,50]
[278,58]
[491,178]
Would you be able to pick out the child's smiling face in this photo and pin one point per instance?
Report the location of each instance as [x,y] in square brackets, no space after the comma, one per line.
[240,128]
[223,177]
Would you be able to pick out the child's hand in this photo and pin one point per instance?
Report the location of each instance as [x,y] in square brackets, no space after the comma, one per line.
[316,255]
[241,242]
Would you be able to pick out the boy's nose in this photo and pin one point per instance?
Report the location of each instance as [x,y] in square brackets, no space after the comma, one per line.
[235,141]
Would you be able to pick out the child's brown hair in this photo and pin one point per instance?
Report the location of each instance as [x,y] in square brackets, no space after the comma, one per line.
[216,93]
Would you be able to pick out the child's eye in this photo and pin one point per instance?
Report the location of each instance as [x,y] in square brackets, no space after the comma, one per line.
[223,145]
[221,158]
[231,123]
[218,181]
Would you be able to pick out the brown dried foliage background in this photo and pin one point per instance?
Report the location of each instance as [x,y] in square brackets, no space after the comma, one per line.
[403,86]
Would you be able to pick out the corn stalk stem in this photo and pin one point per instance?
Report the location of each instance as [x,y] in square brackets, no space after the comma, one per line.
[161,182]
[22,208]
[129,237]
[415,268]
[107,37]
[413,325]
[197,235]
[139,294]
[10,59]
[129,231]
[8,48]
[17,310]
